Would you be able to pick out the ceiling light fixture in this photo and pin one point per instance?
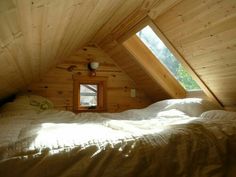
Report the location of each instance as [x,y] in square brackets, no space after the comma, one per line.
[93,66]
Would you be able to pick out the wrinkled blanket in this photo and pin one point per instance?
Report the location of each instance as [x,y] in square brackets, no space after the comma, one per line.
[168,144]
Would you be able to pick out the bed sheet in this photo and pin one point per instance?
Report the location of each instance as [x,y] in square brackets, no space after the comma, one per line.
[166,143]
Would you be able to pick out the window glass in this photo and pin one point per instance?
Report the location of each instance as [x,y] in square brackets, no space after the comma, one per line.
[88,95]
[158,48]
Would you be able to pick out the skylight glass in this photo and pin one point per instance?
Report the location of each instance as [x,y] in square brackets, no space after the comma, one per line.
[158,48]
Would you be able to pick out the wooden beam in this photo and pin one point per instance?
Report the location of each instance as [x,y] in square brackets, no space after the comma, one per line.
[126,8]
[133,21]
[134,30]
[154,67]
[185,64]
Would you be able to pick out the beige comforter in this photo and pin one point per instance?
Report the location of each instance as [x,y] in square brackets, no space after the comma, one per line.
[62,144]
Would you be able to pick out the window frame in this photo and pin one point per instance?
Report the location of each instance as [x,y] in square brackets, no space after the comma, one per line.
[147,21]
[147,44]
[101,83]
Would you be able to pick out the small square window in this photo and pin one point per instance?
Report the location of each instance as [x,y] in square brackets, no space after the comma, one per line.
[89,93]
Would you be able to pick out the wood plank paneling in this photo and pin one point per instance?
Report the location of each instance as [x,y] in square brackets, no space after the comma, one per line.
[35,35]
[161,7]
[186,65]
[115,20]
[57,85]
[204,32]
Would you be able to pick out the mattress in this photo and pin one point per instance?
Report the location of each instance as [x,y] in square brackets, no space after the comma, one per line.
[160,141]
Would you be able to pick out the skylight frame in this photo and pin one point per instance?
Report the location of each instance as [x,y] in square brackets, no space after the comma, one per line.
[171,56]
[205,92]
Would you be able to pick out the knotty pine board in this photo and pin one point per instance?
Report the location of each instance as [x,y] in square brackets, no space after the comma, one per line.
[57,84]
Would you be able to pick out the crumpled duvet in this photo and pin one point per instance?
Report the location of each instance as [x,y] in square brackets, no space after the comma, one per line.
[168,144]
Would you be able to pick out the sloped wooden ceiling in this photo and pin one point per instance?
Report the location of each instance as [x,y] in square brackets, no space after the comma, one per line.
[37,34]
[204,32]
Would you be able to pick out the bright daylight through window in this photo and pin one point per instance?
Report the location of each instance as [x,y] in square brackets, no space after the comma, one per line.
[88,95]
[158,48]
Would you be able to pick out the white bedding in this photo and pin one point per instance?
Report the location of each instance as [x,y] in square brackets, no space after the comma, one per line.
[161,140]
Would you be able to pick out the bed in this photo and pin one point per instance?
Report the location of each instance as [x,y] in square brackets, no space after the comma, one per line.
[179,137]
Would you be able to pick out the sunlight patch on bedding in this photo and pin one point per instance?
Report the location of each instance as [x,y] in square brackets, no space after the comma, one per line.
[58,137]
[64,135]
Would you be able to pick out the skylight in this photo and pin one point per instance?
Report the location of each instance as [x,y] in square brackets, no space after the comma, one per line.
[158,48]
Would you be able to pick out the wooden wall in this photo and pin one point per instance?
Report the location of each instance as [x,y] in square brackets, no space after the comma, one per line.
[57,84]
[204,32]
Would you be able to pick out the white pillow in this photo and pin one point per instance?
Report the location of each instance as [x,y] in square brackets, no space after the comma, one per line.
[218,114]
[34,100]
[23,103]
[193,107]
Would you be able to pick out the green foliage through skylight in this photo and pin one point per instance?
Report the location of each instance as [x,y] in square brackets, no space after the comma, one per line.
[158,48]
